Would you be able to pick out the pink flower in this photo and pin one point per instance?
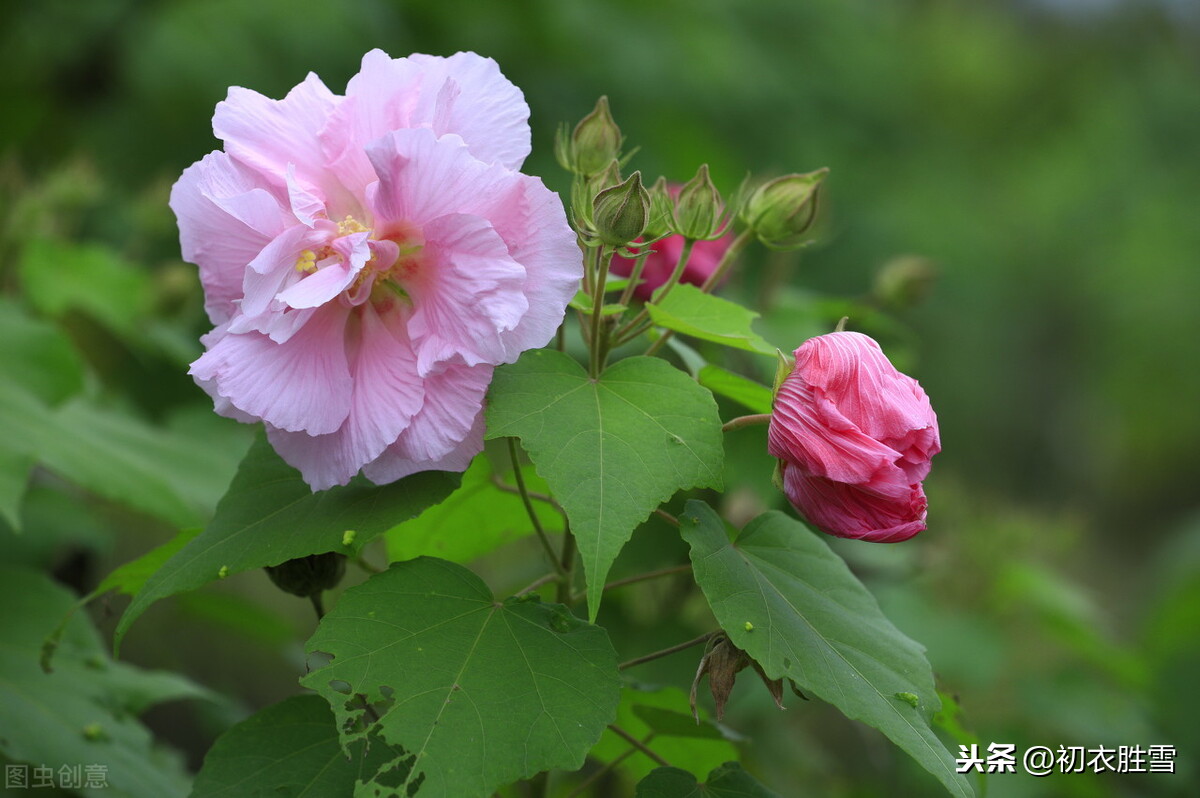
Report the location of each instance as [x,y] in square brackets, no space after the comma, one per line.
[854,438]
[368,258]
[705,257]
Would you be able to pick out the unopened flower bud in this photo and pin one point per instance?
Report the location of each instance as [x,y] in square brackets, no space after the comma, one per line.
[307,576]
[699,208]
[662,210]
[780,211]
[595,142]
[620,213]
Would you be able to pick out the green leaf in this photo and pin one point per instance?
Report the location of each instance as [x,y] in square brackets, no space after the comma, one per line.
[677,738]
[748,393]
[269,515]
[59,276]
[688,310]
[171,475]
[474,520]
[583,302]
[612,449]
[131,577]
[37,356]
[727,781]
[15,467]
[287,750]
[85,711]
[789,602]
[476,692]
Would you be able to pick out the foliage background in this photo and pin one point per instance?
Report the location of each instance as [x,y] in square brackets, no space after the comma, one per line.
[1041,157]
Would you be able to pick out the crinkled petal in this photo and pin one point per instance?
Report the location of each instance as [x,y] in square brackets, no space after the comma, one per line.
[447,428]
[848,511]
[303,384]
[465,293]
[326,283]
[225,219]
[851,370]
[423,179]
[464,94]
[268,135]
[386,395]
[274,269]
[800,434]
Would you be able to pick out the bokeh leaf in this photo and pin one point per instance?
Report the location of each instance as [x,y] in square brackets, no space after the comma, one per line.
[726,781]
[662,717]
[747,392]
[472,521]
[476,692]
[85,710]
[612,449]
[688,310]
[287,750]
[789,602]
[269,515]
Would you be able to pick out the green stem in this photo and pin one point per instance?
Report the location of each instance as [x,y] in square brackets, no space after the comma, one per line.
[622,334]
[746,421]
[599,336]
[635,275]
[609,767]
[629,580]
[667,651]
[735,249]
[533,516]
[318,605]
[566,567]
[638,744]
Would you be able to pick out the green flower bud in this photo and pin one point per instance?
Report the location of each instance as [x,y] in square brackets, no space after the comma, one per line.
[780,211]
[904,281]
[662,210]
[699,208]
[595,142]
[307,576]
[620,213]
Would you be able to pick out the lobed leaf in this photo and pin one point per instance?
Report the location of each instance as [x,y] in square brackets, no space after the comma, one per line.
[688,310]
[473,693]
[612,449]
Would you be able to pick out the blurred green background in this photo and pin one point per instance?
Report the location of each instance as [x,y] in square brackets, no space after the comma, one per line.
[1035,164]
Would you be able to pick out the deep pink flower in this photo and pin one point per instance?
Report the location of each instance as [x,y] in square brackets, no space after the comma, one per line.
[854,438]
[368,258]
[703,261]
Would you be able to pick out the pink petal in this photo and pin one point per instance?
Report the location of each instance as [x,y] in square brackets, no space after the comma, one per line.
[464,94]
[327,282]
[464,295]
[386,395]
[225,220]
[303,384]
[268,135]
[274,269]
[423,179]
[849,511]
[799,433]
[446,433]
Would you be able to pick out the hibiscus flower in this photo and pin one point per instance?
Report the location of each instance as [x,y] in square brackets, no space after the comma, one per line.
[368,258]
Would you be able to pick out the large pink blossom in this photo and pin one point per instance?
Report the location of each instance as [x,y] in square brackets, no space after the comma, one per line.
[368,258]
[854,438]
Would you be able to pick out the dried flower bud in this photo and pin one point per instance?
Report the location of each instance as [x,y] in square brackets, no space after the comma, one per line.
[780,211]
[699,208]
[307,576]
[620,213]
